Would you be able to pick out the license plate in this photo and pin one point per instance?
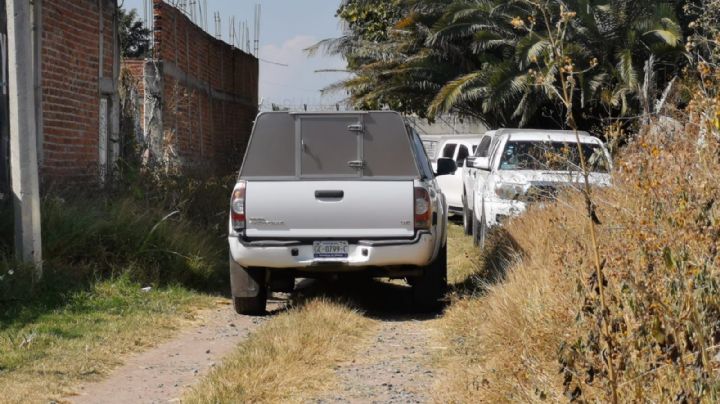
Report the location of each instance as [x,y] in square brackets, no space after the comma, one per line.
[330,249]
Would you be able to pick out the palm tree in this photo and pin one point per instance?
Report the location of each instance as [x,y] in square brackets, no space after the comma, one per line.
[491,59]
[395,69]
[609,43]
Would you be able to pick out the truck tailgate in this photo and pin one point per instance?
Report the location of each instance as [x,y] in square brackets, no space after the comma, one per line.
[329,209]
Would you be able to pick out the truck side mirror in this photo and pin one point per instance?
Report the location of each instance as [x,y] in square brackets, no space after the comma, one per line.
[445,166]
[470,161]
[482,163]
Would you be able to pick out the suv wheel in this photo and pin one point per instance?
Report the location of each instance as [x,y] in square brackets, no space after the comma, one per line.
[431,286]
[467,217]
[255,305]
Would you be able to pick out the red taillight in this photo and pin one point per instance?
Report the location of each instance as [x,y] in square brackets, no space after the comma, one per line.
[237,206]
[423,209]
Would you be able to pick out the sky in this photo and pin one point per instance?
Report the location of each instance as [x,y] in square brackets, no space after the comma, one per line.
[287,27]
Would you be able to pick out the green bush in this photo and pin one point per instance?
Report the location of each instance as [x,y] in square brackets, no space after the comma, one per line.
[155,235]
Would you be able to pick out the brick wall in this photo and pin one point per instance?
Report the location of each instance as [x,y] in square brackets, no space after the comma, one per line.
[135,69]
[77,56]
[200,96]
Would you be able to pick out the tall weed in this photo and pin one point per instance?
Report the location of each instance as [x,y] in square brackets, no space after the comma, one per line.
[156,232]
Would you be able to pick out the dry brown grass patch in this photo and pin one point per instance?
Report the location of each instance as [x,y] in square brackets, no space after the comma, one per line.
[502,345]
[537,335]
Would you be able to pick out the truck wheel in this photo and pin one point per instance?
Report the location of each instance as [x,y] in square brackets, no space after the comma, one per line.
[430,287]
[254,305]
[467,218]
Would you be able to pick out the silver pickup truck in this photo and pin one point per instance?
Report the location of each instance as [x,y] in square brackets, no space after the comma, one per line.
[333,193]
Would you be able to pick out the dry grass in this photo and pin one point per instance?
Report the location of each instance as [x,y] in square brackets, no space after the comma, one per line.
[498,336]
[289,359]
[43,358]
[89,310]
[536,336]
[463,258]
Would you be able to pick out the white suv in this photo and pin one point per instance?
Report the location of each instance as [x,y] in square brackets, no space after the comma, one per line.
[527,166]
[336,193]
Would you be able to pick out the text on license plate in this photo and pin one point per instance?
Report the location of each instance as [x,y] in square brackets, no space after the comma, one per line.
[330,249]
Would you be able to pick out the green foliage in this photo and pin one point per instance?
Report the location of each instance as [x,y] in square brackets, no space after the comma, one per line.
[156,230]
[491,60]
[105,238]
[134,36]
[102,249]
[370,20]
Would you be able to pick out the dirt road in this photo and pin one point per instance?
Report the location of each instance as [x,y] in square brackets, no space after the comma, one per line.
[394,366]
[161,374]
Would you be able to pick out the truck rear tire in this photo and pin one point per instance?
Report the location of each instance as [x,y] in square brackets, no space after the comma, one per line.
[431,286]
[254,305]
[251,306]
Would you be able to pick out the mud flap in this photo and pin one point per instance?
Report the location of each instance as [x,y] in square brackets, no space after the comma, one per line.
[245,282]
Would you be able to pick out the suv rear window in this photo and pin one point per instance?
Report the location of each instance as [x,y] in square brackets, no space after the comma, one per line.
[315,146]
[449,150]
[463,153]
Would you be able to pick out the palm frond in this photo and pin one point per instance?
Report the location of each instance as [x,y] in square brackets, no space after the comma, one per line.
[451,92]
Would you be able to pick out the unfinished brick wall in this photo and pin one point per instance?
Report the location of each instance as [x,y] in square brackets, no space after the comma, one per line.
[78,56]
[200,96]
[136,69]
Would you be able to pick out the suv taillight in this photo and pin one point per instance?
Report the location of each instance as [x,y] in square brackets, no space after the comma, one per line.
[423,209]
[237,206]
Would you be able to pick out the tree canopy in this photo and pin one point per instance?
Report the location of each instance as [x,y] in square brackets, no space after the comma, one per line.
[134,36]
[491,59]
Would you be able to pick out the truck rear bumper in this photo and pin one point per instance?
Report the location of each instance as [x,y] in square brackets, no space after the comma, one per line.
[297,254]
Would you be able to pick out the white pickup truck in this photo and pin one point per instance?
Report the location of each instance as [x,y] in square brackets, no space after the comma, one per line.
[527,166]
[333,193]
[458,148]
[473,178]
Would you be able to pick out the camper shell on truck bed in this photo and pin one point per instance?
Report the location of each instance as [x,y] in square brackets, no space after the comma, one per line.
[366,156]
[333,193]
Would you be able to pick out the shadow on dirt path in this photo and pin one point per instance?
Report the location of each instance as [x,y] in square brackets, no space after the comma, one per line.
[378,299]
[395,365]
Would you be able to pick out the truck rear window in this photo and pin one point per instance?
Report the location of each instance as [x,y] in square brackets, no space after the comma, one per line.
[271,153]
[344,145]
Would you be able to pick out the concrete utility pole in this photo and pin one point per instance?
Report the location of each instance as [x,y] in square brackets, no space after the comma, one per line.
[23,134]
